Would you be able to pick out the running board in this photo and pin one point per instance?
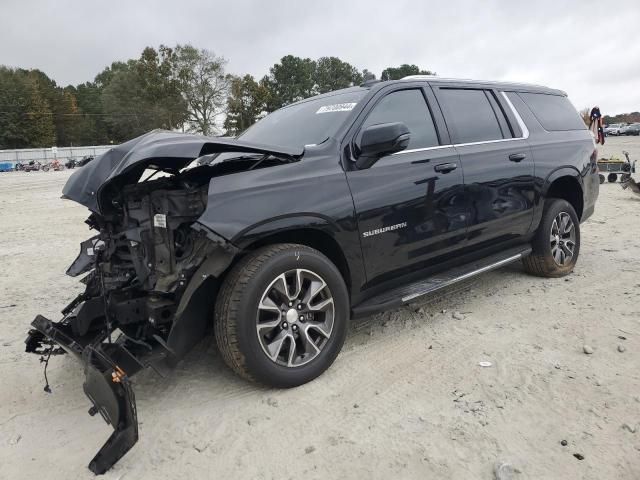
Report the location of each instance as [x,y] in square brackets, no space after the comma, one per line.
[408,293]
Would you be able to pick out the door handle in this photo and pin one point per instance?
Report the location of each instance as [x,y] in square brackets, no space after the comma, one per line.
[445,167]
[517,157]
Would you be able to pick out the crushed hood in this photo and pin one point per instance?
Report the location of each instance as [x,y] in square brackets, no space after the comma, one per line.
[169,151]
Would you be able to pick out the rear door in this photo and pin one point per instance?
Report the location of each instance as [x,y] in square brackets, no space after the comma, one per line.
[409,205]
[498,164]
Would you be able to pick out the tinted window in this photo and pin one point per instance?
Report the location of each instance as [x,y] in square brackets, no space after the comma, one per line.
[410,107]
[306,123]
[469,115]
[554,112]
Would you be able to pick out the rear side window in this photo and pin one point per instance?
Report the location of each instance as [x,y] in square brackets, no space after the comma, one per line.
[471,116]
[554,112]
[410,107]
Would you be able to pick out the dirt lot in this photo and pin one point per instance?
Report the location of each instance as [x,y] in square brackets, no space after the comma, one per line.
[405,399]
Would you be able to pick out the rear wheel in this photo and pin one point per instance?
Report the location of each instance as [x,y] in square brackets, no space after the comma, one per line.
[612,178]
[556,244]
[281,315]
[601,177]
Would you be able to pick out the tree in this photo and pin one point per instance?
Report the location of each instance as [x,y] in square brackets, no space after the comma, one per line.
[331,73]
[67,117]
[585,114]
[289,81]
[204,85]
[404,70]
[367,75]
[633,117]
[94,129]
[26,118]
[246,103]
[158,76]
[127,112]
[40,130]
[143,94]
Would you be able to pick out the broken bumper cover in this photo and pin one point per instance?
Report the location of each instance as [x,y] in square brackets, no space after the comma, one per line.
[107,367]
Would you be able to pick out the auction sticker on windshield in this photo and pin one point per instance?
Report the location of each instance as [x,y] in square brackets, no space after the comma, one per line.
[337,107]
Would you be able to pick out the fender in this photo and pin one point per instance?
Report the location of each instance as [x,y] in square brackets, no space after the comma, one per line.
[290,196]
[295,221]
[305,223]
[195,307]
[563,171]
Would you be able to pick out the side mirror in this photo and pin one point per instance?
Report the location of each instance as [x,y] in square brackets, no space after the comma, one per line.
[379,140]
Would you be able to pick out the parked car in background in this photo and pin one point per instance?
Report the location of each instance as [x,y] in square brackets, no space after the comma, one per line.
[614,129]
[6,166]
[633,129]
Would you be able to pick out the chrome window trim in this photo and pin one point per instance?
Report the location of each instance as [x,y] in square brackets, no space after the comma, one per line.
[413,150]
[487,141]
[521,124]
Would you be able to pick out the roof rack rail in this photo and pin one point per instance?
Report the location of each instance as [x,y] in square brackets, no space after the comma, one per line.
[418,77]
[368,83]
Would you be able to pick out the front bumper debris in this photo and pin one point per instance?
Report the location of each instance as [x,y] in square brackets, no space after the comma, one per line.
[107,368]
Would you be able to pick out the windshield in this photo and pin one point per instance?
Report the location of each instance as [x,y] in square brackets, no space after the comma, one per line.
[306,123]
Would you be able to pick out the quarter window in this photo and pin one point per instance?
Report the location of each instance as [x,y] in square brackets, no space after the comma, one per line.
[554,112]
[409,107]
[470,115]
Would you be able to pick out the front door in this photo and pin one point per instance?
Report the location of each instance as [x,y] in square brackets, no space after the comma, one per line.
[410,205]
[498,164]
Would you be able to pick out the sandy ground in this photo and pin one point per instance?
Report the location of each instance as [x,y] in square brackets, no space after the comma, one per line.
[405,399]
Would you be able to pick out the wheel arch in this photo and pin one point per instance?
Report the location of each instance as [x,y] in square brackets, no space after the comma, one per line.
[314,232]
[566,184]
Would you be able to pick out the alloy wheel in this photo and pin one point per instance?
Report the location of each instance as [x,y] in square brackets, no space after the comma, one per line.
[295,317]
[563,239]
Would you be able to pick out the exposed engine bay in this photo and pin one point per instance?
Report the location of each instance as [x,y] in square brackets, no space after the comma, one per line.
[150,271]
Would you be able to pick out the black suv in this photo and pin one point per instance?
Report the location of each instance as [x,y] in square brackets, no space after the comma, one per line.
[337,206]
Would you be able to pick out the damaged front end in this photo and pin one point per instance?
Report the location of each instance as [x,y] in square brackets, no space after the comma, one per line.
[150,272]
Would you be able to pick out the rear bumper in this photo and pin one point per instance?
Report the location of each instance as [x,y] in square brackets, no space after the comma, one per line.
[107,368]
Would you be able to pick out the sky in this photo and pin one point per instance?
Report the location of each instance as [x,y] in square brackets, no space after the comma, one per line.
[590,49]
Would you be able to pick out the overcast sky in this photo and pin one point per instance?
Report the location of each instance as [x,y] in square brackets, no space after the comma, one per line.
[590,49]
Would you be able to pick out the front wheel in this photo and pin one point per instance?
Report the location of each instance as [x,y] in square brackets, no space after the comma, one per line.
[556,244]
[281,315]
[612,178]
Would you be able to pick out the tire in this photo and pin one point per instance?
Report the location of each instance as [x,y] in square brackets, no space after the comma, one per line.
[612,177]
[601,177]
[245,306]
[542,261]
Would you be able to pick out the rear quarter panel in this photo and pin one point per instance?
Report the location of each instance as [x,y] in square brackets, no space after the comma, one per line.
[559,153]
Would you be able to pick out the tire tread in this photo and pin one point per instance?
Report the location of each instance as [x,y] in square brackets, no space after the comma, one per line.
[538,263]
[229,299]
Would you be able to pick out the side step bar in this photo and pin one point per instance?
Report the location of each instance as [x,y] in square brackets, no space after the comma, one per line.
[402,295]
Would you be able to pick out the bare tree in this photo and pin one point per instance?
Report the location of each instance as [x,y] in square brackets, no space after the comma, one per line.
[205,87]
[585,113]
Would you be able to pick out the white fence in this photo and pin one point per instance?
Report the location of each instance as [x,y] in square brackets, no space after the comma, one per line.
[44,155]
